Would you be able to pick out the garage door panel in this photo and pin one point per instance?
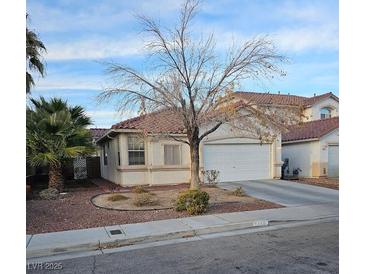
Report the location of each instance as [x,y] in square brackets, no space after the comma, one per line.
[237,162]
[333,160]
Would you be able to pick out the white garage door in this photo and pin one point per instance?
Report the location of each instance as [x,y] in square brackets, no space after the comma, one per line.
[333,161]
[237,162]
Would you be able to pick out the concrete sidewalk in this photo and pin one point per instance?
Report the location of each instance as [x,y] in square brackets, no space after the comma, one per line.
[48,244]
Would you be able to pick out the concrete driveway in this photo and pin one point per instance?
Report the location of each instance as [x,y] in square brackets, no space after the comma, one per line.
[286,193]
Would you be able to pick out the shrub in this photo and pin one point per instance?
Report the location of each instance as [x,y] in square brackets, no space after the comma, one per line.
[193,201]
[49,194]
[140,189]
[211,176]
[117,197]
[145,199]
[239,192]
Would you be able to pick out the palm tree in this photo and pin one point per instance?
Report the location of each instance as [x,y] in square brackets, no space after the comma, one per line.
[34,49]
[56,132]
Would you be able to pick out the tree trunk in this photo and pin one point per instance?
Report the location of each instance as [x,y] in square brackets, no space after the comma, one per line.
[194,166]
[55,177]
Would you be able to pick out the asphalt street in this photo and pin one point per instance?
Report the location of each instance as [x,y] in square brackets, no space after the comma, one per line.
[303,249]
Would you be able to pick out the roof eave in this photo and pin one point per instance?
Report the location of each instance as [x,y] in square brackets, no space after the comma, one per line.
[300,141]
[114,132]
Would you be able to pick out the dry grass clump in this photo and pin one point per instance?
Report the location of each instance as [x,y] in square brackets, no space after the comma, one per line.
[239,192]
[145,199]
[140,189]
[117,197]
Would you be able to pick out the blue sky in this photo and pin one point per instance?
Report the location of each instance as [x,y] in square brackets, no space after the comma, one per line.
[80,35]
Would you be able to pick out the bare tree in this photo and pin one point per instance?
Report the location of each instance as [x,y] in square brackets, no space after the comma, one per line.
[190,79]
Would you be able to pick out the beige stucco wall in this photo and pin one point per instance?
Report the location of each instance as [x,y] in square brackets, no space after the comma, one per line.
[311,157]
[154,172]
[301,155]
[331,138]
[314,112]
[109,171]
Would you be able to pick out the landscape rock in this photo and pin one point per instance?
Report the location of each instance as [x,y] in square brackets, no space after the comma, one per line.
[49,194]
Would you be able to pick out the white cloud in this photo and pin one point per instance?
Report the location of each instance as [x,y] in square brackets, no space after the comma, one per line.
[106,118]
[112,114]
[97,114]
[306,12]
[82,85]
[95,48]
[56,80]
[97,15]
[306,38]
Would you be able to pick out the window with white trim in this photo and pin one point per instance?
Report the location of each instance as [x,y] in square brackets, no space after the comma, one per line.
[136,150]
[325,113]
[172,155]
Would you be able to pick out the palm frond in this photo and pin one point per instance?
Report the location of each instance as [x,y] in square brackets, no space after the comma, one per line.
[43,159]
[34,50]
[56,131]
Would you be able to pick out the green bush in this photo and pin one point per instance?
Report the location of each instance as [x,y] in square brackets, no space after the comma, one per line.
[145,199]
[239,192]
[140,189]
[117,197]
[193,201]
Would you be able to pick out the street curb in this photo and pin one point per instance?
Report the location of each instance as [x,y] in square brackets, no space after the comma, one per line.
[96,244]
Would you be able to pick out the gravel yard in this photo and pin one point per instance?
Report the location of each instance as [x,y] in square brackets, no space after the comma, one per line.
[323,182]
[75,211]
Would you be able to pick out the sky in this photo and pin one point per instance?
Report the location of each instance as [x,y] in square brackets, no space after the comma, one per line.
[80,36]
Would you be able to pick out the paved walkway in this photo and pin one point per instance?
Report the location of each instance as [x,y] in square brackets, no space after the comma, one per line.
[47,244]
[286,193]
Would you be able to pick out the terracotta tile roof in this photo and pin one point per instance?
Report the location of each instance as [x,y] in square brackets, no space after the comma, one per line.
[282,99]
[166,121]
[311,130]
[96,133]
[163,121]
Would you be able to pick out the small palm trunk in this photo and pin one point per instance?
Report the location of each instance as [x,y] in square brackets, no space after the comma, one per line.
[56,177]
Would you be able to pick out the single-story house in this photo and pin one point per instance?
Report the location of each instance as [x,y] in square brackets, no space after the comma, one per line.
[135,152]
[312,148]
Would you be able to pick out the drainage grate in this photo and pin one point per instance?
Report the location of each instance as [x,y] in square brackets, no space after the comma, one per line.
[115,232]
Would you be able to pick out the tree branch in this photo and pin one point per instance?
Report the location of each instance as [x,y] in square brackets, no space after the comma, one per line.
[210,131]
[178,139]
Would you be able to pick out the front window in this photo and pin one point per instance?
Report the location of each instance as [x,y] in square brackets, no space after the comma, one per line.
[172,155]
[135,150]
[325,113]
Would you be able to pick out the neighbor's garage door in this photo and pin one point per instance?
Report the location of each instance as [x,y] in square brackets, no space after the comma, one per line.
[237,162]
[333,161]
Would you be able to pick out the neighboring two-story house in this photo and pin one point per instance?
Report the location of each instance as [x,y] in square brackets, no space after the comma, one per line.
[135,152]
[312,148]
